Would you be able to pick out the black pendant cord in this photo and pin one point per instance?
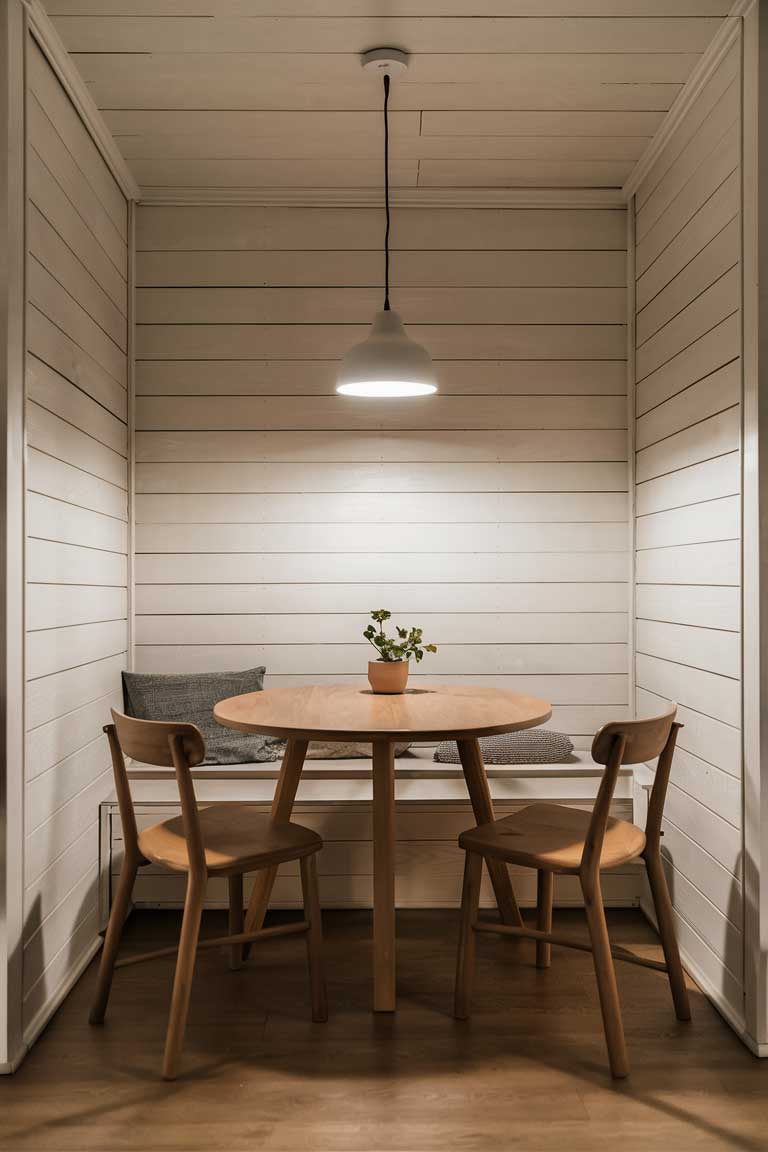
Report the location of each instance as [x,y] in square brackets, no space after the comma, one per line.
[386,193]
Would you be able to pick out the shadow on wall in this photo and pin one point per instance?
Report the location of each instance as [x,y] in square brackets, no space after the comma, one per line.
[57,944]
[726,928]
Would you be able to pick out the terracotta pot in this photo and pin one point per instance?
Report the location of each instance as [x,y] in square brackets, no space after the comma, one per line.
[388,677]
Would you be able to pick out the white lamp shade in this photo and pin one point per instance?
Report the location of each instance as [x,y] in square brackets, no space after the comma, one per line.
[387,363]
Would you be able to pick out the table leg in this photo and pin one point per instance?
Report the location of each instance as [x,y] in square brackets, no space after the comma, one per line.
[482,806]
[282,806]
[383,876]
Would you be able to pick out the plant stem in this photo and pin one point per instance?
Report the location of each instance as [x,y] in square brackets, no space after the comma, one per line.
[373,645]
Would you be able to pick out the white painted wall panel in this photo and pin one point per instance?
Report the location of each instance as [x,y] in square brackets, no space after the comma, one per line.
[272,515]
[688,499]
[77,525]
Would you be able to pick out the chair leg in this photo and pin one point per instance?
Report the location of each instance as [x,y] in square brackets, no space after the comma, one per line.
[545,883]
[465,961]
[117,918]
[606,977]
[236,919]
[666,923]
[185,967]
[313,916]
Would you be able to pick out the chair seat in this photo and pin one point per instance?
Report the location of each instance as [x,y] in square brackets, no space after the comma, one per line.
[236,838]
[552,836]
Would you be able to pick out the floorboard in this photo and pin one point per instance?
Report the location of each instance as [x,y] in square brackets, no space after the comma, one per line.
[528,1071]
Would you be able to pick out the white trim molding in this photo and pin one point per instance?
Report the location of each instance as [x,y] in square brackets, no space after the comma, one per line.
[631,458]
[13,247]
[58,57]
[401,197]
[754,533]
[131,414]
[725,37]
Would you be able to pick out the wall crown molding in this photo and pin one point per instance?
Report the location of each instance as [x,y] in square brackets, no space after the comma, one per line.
[58,57]
[400,197]
[725,37]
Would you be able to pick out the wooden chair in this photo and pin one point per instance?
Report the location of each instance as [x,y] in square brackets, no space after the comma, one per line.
[553,838]
[225,840]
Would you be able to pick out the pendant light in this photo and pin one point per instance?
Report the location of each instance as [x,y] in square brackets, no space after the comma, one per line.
[388,362]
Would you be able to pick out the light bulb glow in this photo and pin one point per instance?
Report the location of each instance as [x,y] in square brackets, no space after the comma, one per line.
[386,388]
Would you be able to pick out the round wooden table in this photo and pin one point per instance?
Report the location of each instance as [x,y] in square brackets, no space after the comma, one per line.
[352,712]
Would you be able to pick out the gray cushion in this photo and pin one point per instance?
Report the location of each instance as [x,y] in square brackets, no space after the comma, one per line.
[532,746]
[189,698]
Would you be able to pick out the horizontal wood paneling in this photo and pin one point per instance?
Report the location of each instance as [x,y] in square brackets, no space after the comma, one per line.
[446,341]
[51,743]
[208,228]
[50,250]
[56,349]
[707,520]
[407,477]
[363,447]
[308,659]
[709,739]
[338,413]
[62,440]
[383,508]
[120,33]
[381,567]
[700,606]
[688,434]
[715,215]
[349,269]
[713,436]
[272,513]
[50,562]
[318,377]
[63,115]
[712,351]
[403,538]
[431,304]
[714,393]
[51,477]
[444,628]
[318,599]
[708,480]
[717,563]
[76,522]
[53,697]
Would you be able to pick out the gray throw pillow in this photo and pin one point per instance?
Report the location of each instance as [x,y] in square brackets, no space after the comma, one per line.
[532,746]
[189,698]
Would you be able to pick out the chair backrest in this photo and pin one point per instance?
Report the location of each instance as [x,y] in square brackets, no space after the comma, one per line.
[166,745]
[631,742]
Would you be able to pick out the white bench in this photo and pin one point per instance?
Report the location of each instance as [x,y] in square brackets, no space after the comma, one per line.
[334,797]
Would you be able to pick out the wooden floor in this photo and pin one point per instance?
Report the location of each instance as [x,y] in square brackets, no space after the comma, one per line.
[527,1072]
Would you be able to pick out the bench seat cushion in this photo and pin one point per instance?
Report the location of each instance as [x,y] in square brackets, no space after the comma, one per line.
[532,746]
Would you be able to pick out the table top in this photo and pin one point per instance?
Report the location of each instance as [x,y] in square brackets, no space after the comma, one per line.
[353,711]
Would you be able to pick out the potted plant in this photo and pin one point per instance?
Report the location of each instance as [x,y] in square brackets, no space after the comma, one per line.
[389,674]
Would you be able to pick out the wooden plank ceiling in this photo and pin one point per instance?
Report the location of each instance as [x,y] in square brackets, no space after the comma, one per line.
[269,93]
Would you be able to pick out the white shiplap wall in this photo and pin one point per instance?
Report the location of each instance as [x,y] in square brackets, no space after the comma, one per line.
[271,514]
[688,468]
[77,501]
